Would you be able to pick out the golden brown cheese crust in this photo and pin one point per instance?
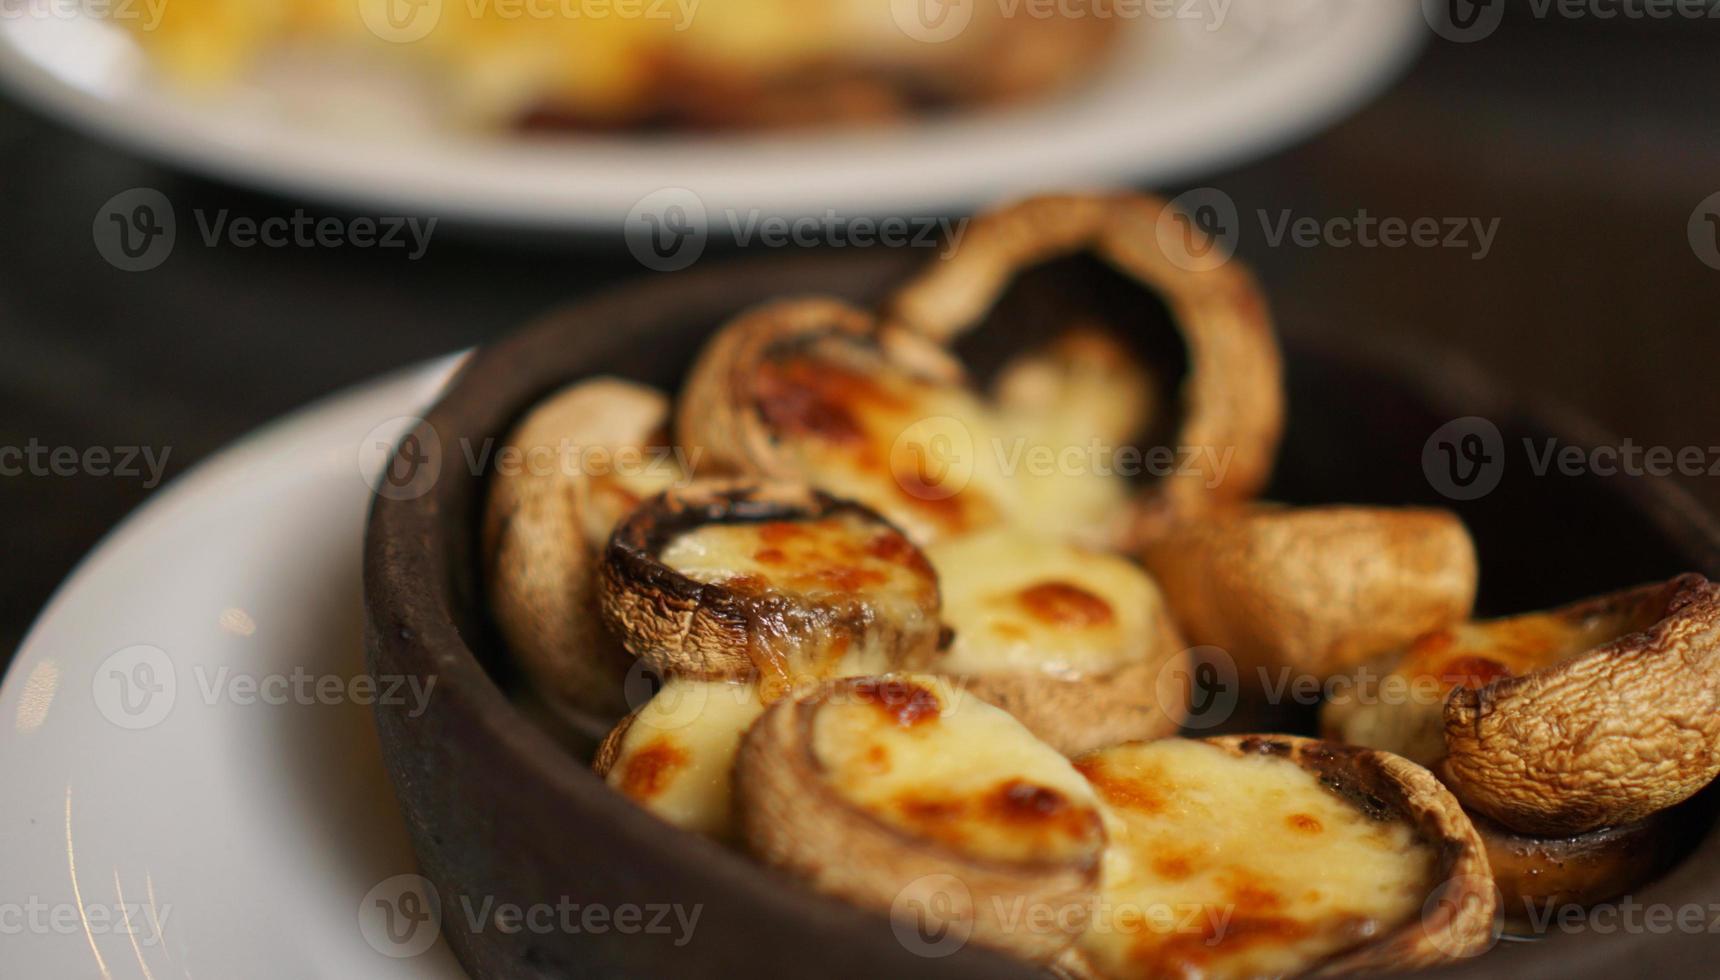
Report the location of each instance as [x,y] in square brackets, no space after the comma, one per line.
[1077,645]
[870,786]
[675,755]
[1232,402]
[1605,737]
[1363,841]
[807,390]
[889,750]
[870,600]
[1315,589]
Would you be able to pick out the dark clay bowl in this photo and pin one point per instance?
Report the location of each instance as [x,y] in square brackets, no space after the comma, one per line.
[501,811]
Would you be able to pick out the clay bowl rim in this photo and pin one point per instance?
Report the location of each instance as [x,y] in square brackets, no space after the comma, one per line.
[409,575]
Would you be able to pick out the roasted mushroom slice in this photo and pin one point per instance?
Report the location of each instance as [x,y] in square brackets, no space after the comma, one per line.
[1315,590]
[808,390]
[1539,878]
[1248,856]
[869,788]
[1398,702]
[565,474]
[1074,643]
[777,583]
[1051,263]
[1557,723]
[675,755]
[1623,721]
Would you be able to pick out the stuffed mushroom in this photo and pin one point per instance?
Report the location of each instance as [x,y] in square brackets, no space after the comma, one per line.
[1097,264]
[1270,855]
[870,788]
[778,584]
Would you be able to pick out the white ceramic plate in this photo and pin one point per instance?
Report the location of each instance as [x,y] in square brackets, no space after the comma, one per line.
[161,820]
[1176,99]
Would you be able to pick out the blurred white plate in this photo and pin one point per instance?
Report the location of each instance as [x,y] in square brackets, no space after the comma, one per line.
[1177,98]
[151,829]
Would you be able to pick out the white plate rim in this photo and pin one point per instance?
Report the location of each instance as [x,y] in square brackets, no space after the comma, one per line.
[326,428]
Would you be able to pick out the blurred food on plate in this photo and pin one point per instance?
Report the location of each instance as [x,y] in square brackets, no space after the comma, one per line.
[649,64]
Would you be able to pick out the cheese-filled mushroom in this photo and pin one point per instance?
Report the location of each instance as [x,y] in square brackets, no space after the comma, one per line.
[870,788]
[1557,723]
[564,475]
[1316,590]
[777,584]
[675,756]
[1253,856]
[810,390]
[1053,264]
[1076,644]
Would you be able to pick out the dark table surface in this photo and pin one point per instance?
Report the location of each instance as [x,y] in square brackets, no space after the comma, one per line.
[1591,142]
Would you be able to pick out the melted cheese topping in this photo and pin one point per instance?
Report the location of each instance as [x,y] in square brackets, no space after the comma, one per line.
[839,555]
[1018,601]
[679,750]
[924,455]
[1472,654]
[868,597]
[1065,411]
[927,759]
[1239,867]
[1405,712]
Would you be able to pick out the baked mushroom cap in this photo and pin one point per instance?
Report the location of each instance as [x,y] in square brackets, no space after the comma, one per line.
[875,789]
[777,582]
[1077,645]
[675,754]
[564,474]
[1608,733]
[1314,589]
[1231,401]
[810,390]
[1275,855]
[1539,877]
